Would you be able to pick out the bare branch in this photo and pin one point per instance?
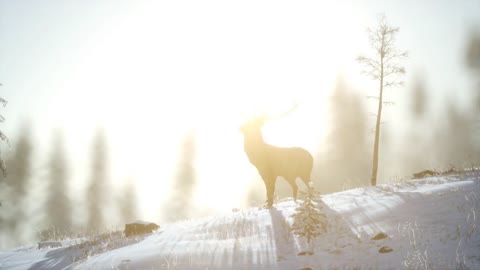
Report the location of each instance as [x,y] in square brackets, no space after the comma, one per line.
[395,55]
[393,69]
[4,137]
[388,103]
[372,67]
[393,84]
[283,114]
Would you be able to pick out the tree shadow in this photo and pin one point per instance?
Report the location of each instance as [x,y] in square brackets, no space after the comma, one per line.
[287,245]
[64,257]
[282,238]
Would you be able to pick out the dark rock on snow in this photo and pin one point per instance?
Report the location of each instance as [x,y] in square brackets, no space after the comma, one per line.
[385,249]
[140,227]
[380,236]
[304,253]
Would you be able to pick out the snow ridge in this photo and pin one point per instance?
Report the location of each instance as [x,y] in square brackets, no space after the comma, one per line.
[416,224]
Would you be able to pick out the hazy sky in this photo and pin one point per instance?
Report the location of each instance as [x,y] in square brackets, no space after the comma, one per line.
[146,71]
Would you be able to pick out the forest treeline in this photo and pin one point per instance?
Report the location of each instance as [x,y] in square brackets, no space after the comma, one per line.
[39,201]
[43,207]
[436,135]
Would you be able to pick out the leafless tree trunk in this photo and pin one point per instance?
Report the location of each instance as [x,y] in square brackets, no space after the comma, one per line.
[383,66]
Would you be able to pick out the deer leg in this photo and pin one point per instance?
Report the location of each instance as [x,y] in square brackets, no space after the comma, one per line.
[270,185]
[294,189]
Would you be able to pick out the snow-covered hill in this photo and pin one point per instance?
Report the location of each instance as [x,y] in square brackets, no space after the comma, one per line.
[422,224]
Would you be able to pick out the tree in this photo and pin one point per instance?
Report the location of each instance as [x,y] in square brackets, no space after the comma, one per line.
[128,203]
[18,182]
[419,98]
[180,203]
[472,57]
[347,141]
[309,221]
[3,138]
[383,66]
[413,159]
[58,203]
[97,189]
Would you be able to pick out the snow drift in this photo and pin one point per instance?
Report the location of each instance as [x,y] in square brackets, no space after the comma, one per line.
[418,224]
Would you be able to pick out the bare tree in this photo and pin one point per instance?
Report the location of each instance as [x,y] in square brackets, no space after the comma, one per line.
[385,67]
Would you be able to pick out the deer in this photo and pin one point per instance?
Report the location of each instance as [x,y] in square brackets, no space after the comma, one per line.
[273,161]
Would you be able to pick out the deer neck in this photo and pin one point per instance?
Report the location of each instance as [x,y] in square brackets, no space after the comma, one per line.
[254,145]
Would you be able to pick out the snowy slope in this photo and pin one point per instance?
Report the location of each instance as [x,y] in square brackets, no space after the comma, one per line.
[429,223]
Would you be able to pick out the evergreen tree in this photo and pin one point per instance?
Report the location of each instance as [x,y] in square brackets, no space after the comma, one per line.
[3,138]
[309,220]
[18,181]
[347,142]
[128,203]
[58,202]
[97,190]
[180,204]
[472,57]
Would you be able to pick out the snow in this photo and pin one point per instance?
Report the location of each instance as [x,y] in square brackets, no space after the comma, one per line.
[428,223]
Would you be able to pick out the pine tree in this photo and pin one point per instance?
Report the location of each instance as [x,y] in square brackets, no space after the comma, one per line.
[97,189]
[309,221]
[3,138]
[18,182]
[128,203]
[347,140]
[180,204]
[58,202]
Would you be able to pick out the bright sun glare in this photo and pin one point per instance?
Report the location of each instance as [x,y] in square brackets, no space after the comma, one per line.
[168,68]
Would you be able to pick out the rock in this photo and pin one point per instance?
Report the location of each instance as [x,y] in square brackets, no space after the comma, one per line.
[140,227]
[304,253]
[425,173]
[385,249]
[380,236]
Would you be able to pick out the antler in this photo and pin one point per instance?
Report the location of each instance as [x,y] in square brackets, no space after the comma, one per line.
[293,108]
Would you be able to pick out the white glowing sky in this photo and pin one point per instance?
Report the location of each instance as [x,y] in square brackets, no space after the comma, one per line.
[147,71]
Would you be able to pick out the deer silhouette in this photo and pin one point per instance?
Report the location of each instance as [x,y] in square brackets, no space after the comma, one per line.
[272,161]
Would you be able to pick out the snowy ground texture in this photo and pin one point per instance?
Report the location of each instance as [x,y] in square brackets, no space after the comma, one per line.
[431,223]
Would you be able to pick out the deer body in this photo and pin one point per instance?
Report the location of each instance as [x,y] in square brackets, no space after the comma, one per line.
[272,161]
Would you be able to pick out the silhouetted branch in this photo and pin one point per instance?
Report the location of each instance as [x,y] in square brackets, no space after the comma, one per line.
[393,84]
[388,103]
[4,137]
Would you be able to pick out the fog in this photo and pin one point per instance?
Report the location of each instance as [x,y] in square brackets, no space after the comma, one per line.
[121,111]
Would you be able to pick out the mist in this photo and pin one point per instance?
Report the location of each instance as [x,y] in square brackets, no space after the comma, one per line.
[110,120]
